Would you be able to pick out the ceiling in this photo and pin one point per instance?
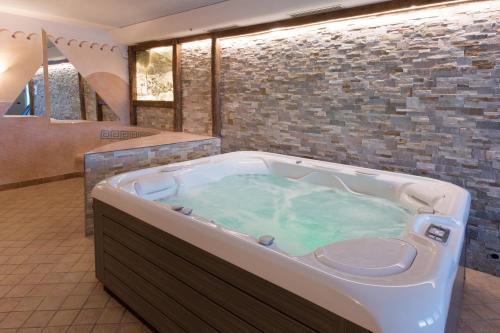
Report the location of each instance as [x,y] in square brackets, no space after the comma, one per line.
[106,13]
[133,21]
[226,14]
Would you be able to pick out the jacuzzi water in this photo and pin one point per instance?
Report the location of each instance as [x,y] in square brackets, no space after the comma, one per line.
[300,216]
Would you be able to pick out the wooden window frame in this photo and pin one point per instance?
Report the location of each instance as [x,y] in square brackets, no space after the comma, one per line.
[176,104]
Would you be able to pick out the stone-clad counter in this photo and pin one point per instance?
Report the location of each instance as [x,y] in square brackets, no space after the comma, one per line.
[129,155]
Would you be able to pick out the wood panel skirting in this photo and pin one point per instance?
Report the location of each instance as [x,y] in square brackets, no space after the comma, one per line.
[175,286]
[39,181]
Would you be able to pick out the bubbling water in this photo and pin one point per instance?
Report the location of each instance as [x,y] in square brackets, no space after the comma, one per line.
[301,216]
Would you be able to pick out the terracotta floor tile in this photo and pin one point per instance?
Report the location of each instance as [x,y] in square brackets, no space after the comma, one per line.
[89,277]
[484,311]
[495,307]
[63,289]
[482,326]
[28,303]
[130,328]
[96,302]
[39,319]
[12,250]
[43,268]
[8,304]
[113,303]
[53,277]
[29,330]
[98,289]
[80,329]
[74,302]
[73,277]
[63,318]
[84,288]
[25,268]
[4,290]
[51,303]
[63,267]
[42,290]
[17,259]
[88,316]
[20,290]
[7,269]
[55,329]
[32,278]
[129,318]
[71,258]
[463,327]
[15,319]
[111,316]
[106,328]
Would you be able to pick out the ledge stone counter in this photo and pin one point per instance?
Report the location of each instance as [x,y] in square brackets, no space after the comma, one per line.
[140,153]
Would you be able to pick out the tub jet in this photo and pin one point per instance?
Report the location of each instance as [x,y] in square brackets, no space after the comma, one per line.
[266,240]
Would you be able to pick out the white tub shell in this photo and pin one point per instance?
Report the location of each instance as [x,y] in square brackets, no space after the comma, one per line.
[402,285]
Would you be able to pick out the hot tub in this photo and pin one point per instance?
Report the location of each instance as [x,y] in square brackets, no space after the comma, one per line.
[253,241]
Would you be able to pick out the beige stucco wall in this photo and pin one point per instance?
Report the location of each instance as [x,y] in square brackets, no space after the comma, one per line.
[33,148]
[36,147]
[20,58]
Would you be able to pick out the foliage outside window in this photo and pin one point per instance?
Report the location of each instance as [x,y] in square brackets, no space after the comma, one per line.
[154,75]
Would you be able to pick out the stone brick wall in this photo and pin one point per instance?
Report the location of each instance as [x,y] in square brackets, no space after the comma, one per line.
[91,105]
[196,94]
[415,92]
[108,114]
[90,101]
[196,87]
[159,118]
[65,95]
[64,92]
[99,166]
[39,84]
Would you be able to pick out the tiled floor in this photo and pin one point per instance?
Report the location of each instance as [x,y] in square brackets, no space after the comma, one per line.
[47,281]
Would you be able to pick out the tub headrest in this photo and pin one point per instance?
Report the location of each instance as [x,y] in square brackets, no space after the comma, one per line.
[424,193]
[154,183]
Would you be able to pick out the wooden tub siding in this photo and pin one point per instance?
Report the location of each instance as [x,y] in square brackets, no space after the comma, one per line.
[176,286]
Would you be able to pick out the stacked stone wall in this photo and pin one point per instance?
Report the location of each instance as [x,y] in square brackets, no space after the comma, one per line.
[416,92]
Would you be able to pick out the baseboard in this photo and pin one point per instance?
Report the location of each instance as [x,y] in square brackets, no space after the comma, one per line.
[38,181]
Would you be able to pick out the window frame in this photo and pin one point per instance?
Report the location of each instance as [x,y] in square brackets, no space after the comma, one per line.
[176,72]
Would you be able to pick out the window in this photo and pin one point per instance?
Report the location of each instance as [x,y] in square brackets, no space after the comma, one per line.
[154,74]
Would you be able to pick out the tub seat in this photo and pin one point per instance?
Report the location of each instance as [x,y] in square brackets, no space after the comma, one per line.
[372,256]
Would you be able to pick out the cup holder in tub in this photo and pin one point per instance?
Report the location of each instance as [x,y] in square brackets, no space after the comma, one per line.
[372,256]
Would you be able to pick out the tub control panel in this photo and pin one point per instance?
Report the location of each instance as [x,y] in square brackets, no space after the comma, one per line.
[438,233]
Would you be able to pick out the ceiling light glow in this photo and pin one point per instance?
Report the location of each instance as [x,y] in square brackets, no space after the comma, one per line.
[407,13]
[197,44]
